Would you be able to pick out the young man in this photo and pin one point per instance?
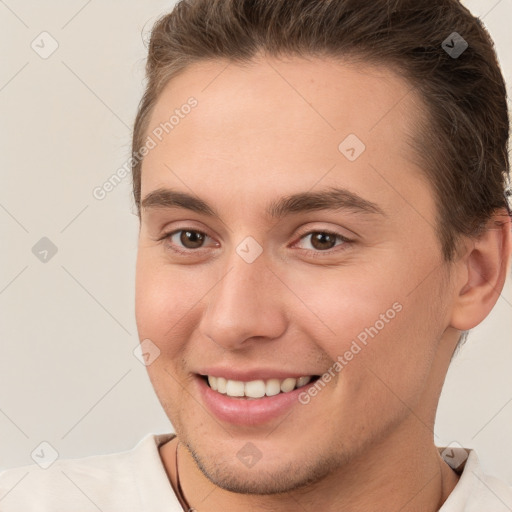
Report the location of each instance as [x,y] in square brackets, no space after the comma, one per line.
[322,196]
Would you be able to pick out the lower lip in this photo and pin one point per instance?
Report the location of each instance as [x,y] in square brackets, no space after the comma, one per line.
[248,412]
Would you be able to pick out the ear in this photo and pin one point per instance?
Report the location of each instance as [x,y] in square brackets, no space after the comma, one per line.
[482,272]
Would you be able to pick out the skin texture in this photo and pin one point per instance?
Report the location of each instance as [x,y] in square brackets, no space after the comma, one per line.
[260,132]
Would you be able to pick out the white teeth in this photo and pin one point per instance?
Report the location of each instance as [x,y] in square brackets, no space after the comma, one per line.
[213,382]
[235,388]
[288,384]
[221,385]
[302,381]
[256,388]
[273,387]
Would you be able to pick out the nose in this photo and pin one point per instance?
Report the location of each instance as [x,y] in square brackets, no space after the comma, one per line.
[245,305]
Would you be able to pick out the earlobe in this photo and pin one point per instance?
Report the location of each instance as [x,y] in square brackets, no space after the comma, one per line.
[485,268]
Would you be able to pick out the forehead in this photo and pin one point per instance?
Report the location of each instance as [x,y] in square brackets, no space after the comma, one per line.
[279,119]
[327,93]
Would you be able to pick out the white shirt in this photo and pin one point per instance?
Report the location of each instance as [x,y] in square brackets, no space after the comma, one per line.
[136,481]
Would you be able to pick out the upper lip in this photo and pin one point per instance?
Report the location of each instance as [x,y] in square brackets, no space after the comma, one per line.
[253,374]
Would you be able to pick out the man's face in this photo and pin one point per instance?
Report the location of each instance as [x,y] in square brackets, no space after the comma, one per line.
[255,293]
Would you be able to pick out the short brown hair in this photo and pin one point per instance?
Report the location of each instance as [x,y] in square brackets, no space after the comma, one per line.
[464,148]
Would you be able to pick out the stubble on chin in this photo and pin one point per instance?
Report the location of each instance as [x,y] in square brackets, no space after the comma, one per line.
[229,473]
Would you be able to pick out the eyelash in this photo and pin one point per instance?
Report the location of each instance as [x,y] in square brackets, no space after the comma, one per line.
[310,252]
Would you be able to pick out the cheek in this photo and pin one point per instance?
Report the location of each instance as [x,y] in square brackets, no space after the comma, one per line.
[165,314]
[347,304]
[373,327]
[165,302]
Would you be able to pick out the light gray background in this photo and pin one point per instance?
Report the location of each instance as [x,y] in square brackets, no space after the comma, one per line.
[68,374]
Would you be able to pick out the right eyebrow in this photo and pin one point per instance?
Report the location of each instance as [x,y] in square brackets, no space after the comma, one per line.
[168,198]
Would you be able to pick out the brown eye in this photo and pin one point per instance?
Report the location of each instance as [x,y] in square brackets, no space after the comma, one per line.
[188,242]
[191,239]
[323,241]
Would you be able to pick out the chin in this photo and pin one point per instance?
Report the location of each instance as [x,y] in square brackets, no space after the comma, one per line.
[279,475]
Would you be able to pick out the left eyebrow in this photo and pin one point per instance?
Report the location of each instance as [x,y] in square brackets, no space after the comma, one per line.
[336,199]
[330,199]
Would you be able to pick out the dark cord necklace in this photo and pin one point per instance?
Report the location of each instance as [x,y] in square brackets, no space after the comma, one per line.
[183,502]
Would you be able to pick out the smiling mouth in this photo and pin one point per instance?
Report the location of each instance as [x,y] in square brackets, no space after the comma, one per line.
[256,388]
